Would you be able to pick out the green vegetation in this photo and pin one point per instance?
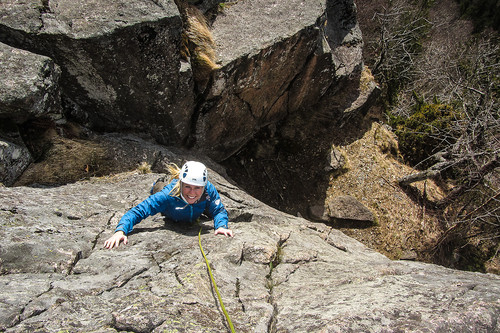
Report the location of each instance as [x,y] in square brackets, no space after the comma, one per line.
[272,264]
[426,131]
[225,5]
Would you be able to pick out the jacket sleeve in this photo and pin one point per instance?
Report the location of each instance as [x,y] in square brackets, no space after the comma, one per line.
[152,205]
[216,208]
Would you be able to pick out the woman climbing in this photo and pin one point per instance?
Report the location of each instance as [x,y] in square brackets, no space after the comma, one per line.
[188,195]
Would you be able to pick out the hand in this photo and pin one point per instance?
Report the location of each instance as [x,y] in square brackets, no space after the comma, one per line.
[224,231]
[115,240]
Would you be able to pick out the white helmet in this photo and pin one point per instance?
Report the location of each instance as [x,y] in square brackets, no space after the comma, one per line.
[194,173]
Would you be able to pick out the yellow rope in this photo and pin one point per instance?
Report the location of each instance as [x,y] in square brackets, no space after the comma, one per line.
[215,285]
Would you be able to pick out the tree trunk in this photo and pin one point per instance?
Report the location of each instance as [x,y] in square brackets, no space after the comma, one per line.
[459,190]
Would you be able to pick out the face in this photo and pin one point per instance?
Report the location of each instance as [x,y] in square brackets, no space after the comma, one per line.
[191,193]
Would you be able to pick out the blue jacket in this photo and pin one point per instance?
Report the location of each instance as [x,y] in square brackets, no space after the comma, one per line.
[176,209]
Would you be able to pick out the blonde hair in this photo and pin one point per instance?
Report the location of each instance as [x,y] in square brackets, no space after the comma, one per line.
[173,173]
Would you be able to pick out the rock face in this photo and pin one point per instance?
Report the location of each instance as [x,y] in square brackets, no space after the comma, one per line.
[278,274]
[120,60]
[277,58]
[348,212]
[29,89]
[14,159]
[122,70]
[30,85]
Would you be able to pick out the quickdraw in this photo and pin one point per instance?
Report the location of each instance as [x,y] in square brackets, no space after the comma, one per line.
[215,285]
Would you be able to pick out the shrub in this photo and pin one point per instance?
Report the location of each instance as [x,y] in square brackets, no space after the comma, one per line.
[428,130]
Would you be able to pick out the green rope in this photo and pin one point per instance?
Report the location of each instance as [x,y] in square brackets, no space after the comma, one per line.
[215,285]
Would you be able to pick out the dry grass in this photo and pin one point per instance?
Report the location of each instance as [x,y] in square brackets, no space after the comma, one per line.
[366,80]
[198,43]
[68,160]
[144,167]
[71,160]
[404,229]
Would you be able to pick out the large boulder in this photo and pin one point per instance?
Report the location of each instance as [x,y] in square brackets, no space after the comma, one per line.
[29,86]
[279,273]
[346,211]
[14,159]
[276,58]
[120,60]
[29,89]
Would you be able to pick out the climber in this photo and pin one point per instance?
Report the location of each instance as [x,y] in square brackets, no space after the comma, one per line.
[187,195]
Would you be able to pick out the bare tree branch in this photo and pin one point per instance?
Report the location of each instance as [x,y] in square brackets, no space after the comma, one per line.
[473,181]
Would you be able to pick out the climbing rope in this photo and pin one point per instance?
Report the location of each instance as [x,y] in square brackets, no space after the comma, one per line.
[215,285]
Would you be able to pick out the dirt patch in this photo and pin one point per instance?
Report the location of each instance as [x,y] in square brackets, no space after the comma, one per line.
[403,227]
[68,161]
[66,155]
